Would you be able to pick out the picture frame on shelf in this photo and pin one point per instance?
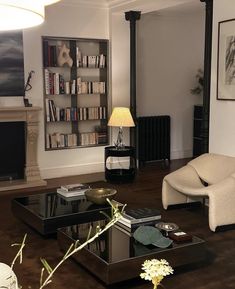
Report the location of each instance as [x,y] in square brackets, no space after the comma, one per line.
[226,60]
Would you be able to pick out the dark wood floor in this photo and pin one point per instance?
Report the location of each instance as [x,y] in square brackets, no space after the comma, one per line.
[217,273]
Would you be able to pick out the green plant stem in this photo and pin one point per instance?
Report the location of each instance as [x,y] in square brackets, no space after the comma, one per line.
[116,217]
[20,252]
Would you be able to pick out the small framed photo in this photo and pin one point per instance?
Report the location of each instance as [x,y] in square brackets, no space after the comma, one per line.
[226,60]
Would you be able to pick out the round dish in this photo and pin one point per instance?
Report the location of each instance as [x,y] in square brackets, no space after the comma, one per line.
[168,227]
[99,195]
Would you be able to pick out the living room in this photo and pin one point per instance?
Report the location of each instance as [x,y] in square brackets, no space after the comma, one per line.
[106,20]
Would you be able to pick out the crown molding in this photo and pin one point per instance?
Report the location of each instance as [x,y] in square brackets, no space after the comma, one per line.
[97,3]
[89,3]
[124,5]
[119,3]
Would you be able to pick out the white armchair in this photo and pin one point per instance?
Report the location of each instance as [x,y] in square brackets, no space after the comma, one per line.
[187,184]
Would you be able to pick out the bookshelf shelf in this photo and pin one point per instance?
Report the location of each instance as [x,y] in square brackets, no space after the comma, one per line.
[74,147]
[75,69]
[68,121]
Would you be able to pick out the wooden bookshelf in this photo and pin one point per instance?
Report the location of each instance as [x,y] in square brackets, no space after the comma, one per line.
[76,86]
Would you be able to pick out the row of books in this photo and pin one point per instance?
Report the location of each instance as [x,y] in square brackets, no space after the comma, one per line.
[56,84]
[91,61]
[54,113]
[61,140]
[89,87]
[50,56]
[88,138]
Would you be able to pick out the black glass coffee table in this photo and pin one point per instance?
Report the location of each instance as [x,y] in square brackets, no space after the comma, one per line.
[48,212]
[115,256]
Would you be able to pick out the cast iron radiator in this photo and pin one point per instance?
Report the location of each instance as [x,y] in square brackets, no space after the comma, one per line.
[153,138]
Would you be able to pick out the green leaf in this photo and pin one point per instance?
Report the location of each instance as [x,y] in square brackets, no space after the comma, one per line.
[46,265]
[89,233]
[41,276]
[68,251]
[76,244]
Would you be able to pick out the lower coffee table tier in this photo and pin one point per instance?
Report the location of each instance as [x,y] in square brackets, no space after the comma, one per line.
[116,256]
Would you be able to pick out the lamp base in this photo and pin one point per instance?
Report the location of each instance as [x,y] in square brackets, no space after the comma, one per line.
[119,144]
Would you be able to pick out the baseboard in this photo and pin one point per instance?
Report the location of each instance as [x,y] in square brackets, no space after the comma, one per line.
[175,155]
[63,171]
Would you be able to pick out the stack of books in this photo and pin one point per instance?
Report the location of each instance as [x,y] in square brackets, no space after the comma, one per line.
[73,190]
[133,218]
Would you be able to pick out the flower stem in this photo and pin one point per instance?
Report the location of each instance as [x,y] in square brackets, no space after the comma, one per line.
[115,217]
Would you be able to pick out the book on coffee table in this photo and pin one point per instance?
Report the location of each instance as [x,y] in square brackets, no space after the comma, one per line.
[75,187]
[133,227]
[73,190]
[140,216]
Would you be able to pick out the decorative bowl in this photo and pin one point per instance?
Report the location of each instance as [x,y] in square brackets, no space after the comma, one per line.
[99,195]
[167,227]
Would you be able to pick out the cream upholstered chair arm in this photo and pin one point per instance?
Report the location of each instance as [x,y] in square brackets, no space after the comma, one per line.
[179,184]
[221,203]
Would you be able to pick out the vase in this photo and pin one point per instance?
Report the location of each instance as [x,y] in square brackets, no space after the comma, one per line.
[8,278]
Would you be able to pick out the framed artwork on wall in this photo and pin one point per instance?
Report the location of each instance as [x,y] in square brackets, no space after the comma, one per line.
[11,64]
[226,60]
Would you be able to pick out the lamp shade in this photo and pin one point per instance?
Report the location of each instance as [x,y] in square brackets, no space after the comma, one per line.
[19,14]
[121,116]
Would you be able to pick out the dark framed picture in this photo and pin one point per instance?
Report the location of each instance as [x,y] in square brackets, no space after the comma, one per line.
[226,60]
[11,64]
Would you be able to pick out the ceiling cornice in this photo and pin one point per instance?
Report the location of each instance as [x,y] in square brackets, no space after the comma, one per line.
[121,6]
[88,3]
[118,3]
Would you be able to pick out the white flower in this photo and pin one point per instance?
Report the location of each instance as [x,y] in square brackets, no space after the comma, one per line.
[155,268]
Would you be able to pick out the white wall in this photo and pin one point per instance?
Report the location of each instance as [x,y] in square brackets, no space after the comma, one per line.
[170,50]
[66,21]
[120,76]
[222,121]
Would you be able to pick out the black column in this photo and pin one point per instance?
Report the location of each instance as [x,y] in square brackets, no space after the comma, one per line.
[207,74]
[133,16]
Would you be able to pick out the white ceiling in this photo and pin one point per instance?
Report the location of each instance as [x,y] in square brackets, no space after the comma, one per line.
[139,5]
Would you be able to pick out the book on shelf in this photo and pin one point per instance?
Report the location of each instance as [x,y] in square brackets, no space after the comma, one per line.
[58,140]
[137,216]
[49,54]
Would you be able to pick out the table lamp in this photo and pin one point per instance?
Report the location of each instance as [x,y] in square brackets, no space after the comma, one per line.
[121,117]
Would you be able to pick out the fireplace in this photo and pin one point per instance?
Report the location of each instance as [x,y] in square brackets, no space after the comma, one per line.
[12,150]
[18,148]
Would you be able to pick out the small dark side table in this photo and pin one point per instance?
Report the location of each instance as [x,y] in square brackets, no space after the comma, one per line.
[120,175]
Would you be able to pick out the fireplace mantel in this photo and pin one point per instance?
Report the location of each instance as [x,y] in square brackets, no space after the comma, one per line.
[29,115]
